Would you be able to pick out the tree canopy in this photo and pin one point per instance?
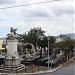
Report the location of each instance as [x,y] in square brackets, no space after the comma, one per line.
[36,36]
[66,45]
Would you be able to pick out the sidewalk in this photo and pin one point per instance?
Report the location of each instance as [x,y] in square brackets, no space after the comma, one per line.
[40,72]
[41,69]
[68,62]
[36,69]
[34,73]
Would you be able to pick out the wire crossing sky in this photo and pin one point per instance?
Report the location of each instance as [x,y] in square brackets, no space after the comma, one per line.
[28,4]
[53,16]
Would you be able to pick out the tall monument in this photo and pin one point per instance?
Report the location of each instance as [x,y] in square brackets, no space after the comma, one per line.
[12,57]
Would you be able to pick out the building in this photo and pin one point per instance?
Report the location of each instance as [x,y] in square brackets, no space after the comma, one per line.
[3,42]
[0,44]
[61,37]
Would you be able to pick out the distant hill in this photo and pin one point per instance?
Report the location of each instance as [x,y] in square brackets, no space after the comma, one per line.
[71,35]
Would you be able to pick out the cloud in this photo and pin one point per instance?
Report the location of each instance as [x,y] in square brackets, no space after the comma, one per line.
[7,2]
[63,8]
[54,17]
[39,13]
[49,9]
[56,27]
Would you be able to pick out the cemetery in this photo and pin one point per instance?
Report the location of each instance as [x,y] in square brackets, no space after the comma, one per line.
[14,58]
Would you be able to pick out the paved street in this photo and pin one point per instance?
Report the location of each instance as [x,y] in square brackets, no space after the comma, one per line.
[70,70]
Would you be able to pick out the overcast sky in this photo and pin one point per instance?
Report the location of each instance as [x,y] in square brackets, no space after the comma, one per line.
[53,17]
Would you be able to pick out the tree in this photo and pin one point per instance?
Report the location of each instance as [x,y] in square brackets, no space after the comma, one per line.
[32,36]
[52,39]
[44,41]
[66,45]
[37,37]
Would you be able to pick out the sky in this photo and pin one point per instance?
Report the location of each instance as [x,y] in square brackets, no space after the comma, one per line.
[55,17]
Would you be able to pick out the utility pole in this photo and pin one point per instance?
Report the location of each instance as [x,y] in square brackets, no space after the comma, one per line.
[48,51]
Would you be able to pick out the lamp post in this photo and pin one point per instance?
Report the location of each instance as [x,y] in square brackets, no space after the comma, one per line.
[67,57]
[74,51]
[48,52]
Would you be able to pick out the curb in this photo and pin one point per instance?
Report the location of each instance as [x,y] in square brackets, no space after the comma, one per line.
[39,72]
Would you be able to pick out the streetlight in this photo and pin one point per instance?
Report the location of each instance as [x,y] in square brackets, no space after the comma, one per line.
[74,51]
[48,51]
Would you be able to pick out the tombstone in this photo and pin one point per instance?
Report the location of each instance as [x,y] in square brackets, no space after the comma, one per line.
[61,52]
[33,49]
[40,52]
[12,57]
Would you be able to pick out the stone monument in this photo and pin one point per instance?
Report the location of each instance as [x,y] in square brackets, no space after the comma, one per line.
[12,57]
[12,60]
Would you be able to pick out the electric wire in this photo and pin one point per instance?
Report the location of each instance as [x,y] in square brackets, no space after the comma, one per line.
[28,4]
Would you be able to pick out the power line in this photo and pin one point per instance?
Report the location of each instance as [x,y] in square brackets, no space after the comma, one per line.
[28,4]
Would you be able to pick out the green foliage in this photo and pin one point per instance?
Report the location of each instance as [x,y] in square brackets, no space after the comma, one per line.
[28,46]
[66,45]
[52,40]
[36,36]
[44,42]
[0,51]
[32,36]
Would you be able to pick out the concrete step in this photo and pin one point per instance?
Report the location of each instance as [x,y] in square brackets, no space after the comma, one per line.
[14,68]
[20,67]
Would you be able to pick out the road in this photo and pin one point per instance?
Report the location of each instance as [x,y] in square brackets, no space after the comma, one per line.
[70,70]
